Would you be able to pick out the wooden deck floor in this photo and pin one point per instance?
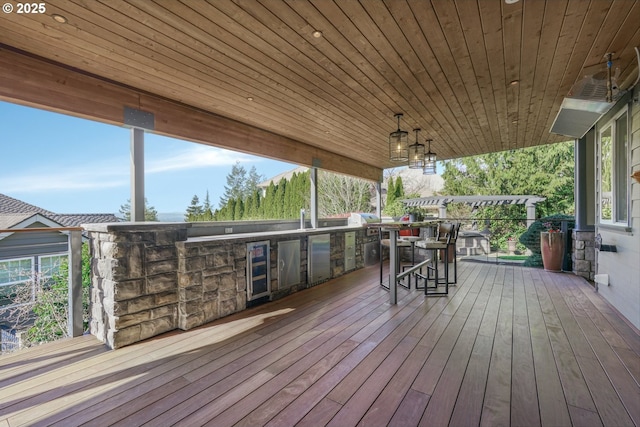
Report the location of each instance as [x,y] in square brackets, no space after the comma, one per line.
[508,346]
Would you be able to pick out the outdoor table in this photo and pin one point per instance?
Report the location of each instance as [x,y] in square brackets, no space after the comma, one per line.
[393,228]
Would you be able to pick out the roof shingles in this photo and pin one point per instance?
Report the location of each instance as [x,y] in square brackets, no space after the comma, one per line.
[14,211]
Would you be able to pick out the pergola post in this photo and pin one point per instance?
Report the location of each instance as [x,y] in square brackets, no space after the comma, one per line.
[442,210]
[531,213]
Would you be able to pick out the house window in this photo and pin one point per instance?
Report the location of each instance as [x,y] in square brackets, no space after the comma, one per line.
[613,171]
[49,265]
[13,273]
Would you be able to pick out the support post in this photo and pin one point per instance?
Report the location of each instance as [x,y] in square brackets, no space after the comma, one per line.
[378,199]
[75,327]
[313,174]
[137,174]
[393,271]
[584,182]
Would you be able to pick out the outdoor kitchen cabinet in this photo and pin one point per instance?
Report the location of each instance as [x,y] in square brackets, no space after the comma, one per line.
[318,258]
[288,263]
[349,250]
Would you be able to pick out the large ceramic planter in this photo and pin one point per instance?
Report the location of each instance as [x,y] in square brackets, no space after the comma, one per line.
[511,247]
[552,248]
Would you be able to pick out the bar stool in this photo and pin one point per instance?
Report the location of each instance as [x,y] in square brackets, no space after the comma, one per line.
[400,243]
[441,246]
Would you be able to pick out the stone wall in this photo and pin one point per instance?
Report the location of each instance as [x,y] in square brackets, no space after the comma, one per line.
[584,255]
[148,278]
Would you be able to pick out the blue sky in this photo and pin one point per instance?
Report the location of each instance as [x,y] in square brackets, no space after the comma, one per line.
[70,165]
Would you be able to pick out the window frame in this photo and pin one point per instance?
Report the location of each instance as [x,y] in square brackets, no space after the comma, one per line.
[31,279]
[48,275]
[16,282]
[611,125]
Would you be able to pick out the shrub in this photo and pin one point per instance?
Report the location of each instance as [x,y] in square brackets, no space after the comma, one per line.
[531,237]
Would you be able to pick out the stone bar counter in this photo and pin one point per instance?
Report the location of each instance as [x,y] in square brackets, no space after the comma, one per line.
[151,278]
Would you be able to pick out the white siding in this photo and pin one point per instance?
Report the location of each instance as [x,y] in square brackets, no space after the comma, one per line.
[623,267]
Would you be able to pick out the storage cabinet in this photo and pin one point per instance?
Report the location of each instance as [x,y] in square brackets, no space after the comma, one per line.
[318,258]
[349,250]
[288,263]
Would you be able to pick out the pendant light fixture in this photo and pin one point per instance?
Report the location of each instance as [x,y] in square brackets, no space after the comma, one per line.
[416,153]
[429,161]
[398,144]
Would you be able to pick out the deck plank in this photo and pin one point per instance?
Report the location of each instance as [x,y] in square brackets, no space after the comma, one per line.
[508,346]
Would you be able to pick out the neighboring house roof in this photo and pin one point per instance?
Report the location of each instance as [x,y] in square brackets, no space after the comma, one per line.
[9,205]
[10,220]
[75,220]
[15,213]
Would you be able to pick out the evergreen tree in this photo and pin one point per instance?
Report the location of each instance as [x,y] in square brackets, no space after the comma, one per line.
[252,181]
[391,192]
[240,184]
[278,207]
[238,211]
[269,206]
[194,211]
[207,211]
[150,213]
[399,188]
[235,184]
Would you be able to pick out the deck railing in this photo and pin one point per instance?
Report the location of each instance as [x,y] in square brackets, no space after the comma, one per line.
[74,240]
[499,239]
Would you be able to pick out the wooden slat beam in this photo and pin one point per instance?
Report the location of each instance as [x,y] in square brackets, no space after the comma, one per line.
[38,83]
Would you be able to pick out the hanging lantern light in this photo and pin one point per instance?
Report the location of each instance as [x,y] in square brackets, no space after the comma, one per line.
[416,153]
[398,144]
[429,161]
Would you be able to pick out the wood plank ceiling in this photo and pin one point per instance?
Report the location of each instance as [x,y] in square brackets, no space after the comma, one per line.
[476,76]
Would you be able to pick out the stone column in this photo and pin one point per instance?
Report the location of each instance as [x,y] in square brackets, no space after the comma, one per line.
[134,292]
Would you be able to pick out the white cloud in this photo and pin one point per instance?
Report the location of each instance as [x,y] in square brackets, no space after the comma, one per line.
[69,177]
[198,156]
[114,172]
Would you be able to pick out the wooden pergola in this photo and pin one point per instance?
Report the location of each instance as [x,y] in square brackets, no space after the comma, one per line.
[478,201]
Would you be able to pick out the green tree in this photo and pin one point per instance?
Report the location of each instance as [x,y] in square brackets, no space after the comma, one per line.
[150,213]
[235,184]
[546,171]
[207,211]
[391,192]
[240,185]
[51,306]
[395,193]
[195,210]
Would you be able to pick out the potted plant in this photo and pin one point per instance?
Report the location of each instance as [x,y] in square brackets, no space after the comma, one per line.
[511,245]
[552,247]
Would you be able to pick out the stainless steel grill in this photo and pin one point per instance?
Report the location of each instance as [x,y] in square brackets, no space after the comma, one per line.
[359,219]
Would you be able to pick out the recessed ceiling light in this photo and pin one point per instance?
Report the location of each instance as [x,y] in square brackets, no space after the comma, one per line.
[511,1]
[514,82]
[59,18]
[317,34]
[249,98]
